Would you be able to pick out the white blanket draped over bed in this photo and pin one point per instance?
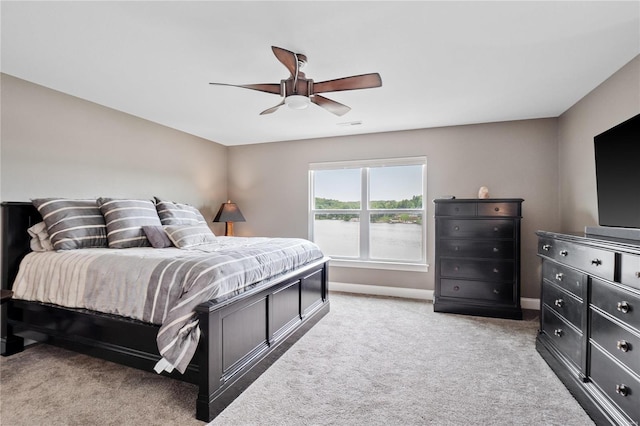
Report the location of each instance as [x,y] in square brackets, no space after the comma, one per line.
[160,286]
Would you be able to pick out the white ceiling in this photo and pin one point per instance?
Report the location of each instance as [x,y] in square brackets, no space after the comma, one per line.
[442,63]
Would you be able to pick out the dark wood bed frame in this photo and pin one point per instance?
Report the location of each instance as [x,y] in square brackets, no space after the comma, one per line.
[242,334]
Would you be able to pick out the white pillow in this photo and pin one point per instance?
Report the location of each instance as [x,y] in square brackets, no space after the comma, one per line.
[40,237]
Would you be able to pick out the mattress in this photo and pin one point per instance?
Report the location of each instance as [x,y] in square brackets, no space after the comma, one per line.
[159,286]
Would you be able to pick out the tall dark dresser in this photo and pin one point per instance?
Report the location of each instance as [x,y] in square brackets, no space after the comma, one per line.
[477,257]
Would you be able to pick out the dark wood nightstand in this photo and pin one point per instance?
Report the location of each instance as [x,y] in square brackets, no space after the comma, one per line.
[5,295]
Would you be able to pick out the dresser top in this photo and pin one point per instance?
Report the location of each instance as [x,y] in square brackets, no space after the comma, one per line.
[617,244]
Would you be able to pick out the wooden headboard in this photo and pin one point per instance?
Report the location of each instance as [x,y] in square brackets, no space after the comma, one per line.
[17,217]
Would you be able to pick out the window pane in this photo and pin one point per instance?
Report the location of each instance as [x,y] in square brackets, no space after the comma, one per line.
[337,189]
[337,234]
[396,237]
[397,187]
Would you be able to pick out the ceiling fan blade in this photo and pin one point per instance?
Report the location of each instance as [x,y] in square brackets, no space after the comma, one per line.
[332,106]
[287,58]
[266,87]
[364,81]
[272,109]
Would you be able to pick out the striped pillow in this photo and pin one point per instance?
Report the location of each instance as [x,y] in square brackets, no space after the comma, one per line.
[72,224]
[189,236]
[125,219]
[171,213]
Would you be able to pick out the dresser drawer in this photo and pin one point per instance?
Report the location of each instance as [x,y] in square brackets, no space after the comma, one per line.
[499,209]
[488,270]
[617,302]
[456,209]
[619,342]
[479,290]
[630,270]
[567,339]
[617,383]
[488,249]
[594,261]
[568,306]
[562,276]
[479,228]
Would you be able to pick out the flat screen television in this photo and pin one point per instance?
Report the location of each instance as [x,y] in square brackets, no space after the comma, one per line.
[617,157]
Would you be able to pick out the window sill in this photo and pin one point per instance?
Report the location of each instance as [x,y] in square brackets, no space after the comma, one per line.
[390,266]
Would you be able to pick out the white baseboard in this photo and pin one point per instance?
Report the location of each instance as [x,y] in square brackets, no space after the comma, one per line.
[408,293]
[528,303]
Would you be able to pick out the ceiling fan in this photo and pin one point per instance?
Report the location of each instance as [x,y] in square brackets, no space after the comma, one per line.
[298,91]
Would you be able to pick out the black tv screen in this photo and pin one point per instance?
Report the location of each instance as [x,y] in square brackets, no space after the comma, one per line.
[617,153]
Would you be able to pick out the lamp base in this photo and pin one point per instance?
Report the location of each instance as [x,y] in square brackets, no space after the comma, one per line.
[228,229]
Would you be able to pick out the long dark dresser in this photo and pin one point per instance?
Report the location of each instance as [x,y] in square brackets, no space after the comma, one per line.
[477,257]
[590,322]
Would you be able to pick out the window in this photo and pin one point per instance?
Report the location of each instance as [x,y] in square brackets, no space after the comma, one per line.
[369,211]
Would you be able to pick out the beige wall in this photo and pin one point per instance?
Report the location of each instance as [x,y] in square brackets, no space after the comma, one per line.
[514,159]
[53,144]
[612,102]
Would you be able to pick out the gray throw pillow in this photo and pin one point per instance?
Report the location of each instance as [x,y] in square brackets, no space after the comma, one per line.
[157,237]
[171,213]
[125,219]
[184,236]
[72,224]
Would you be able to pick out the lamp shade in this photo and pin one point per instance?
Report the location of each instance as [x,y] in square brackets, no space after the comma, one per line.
[229,212]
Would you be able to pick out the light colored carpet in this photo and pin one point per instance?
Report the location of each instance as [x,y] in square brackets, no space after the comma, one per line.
[371,361]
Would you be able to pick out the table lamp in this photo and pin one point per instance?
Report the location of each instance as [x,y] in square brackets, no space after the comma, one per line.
[229,213]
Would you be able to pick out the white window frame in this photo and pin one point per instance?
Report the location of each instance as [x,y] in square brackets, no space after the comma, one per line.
[363,261]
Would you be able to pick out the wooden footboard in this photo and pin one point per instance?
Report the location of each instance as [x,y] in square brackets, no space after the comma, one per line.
[246,336]
[242,334]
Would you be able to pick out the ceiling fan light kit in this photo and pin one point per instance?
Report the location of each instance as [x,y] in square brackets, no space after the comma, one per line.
[296,101]
[298,91]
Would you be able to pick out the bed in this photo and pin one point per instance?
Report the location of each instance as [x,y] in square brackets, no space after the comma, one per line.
[241,332]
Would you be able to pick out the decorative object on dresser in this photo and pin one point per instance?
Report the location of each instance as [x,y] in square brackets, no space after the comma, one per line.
[590,322]
[478,257]
[483,192]
[229,213]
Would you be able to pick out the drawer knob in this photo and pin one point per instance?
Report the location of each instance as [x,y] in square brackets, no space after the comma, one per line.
[496,291]
[559,276]
[624,307]
[496,270]
[546,247]
[559,303]
[496,249]
[623,345]
[564,253]
[495,229]
[496,209]
[596,262]
[622,390]
[558,332]
[456,228]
